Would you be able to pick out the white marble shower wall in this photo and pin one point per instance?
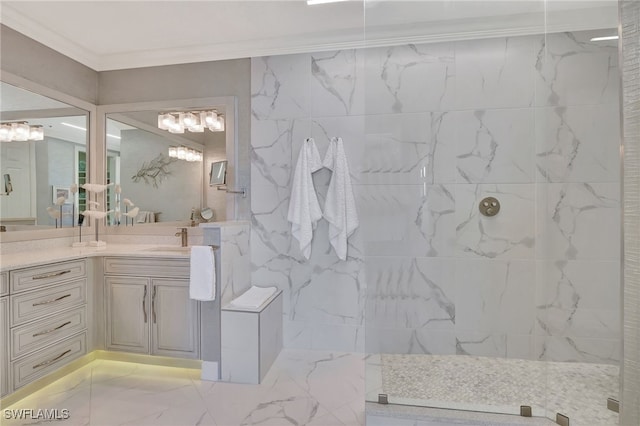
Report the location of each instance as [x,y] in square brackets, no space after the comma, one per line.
[429,131]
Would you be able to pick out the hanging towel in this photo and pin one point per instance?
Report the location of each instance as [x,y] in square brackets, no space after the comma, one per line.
[202,283]
[340,206]
[304,210]
[254,297]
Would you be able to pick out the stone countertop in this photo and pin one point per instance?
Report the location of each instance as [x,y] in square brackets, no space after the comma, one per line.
[26,259]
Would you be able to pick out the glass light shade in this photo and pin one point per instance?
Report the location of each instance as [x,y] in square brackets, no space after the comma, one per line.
[173,151]
[166,121]
[177,127]
[6,133]
[218,125]
[190,155]
[182,152]
[189,119]
[198,156]
[36,133]
[20,131]
[210,118]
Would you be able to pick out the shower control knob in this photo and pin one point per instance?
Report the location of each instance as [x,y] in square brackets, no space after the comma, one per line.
[489,206]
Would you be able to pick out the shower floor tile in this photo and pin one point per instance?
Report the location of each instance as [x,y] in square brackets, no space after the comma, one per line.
[577,390]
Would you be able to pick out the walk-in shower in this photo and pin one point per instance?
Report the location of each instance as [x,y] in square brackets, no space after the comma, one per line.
[519,310]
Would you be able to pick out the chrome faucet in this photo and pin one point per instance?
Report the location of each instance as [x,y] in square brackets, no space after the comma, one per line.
[183,235]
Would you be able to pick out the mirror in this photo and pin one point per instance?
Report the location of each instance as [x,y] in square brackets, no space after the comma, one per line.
[206,214]
[151,184]
[218,173]
[34,171]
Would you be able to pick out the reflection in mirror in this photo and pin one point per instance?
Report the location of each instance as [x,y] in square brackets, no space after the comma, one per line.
[153,184]
[218,173]
[34,169]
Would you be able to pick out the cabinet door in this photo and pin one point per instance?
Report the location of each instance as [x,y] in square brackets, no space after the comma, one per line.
[128,314]
[4,347]
[175,319]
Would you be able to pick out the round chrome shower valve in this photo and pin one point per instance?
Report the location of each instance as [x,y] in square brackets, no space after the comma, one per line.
[489,206]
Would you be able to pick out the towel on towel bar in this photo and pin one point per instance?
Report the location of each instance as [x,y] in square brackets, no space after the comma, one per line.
[340,206]
[202,282]
[304,210]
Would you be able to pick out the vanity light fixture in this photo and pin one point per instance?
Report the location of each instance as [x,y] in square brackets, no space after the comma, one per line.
[20,131]
[615,37]
[193,121]
[184,153]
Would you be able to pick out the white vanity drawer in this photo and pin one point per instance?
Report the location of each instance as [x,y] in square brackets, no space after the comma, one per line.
[30,337]
[4,284]
[147,267]
[34,366]
[36,277]
[33,305]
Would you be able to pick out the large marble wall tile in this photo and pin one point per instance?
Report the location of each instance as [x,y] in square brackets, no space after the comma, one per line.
[409,341]
[409,78]
[407,220]
[495,296]
[495,73]
[586,284]
[578,143]
[411,293]
[578,298]
[478,343]
[572,70]
[280,86]
[521,346]
[495,146]
[578,221]
[327,291]
[410,148]
[271,144]
[271,232]
[578,349]
[235,259]
[337,83]
[509,234]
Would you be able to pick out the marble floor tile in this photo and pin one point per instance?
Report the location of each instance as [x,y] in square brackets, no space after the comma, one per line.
[315,388]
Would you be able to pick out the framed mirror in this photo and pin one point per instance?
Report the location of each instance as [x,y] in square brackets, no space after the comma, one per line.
[158,176]
[218,173]
[53,156]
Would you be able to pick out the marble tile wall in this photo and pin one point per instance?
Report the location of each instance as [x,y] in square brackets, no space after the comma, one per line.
[429,131]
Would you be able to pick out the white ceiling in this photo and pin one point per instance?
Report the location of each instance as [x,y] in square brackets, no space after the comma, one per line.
[108,35]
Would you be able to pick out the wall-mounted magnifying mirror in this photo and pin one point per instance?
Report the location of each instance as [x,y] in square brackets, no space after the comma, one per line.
[218,173]
[158,175]
[43,148]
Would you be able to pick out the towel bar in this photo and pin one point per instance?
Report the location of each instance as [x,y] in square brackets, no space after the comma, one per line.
[242,191]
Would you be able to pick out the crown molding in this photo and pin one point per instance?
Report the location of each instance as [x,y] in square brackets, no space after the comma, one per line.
[366,36]
[12,18]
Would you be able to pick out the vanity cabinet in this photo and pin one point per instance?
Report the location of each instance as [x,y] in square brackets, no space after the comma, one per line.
[46,313]
[151,313]
[4,349]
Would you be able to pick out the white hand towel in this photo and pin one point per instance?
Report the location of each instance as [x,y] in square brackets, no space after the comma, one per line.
[202,283]
[304,210]
[254,297]
[340,206]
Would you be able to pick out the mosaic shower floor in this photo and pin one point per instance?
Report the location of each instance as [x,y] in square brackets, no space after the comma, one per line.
[577,390]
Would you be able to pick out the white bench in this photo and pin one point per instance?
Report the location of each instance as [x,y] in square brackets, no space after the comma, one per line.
[251,340]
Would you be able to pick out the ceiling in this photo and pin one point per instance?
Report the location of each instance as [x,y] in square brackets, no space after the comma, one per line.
[106,35]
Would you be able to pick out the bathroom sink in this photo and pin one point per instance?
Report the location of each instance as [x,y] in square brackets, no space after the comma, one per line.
[173,249]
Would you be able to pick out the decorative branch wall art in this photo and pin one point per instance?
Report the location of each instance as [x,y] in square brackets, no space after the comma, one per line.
[154,172]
